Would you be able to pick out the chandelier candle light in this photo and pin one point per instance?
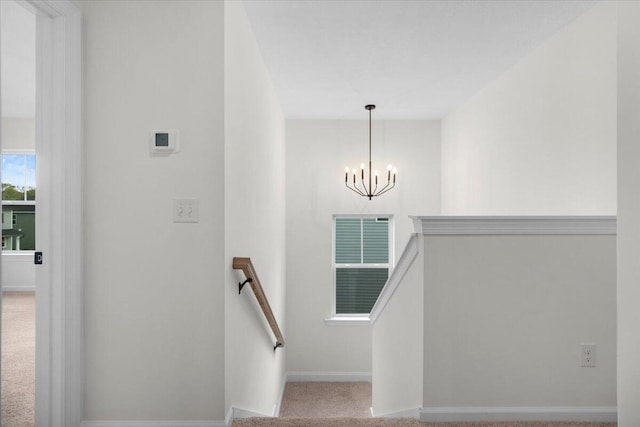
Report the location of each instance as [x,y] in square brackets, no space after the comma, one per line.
[370,191]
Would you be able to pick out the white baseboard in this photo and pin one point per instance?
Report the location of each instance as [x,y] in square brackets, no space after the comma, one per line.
[239,413]
[276,410]
[18,289]
[228,420]
[186,423]
[407,413]
[315,376]
[551,413]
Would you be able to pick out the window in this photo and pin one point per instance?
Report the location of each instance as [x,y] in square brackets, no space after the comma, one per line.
[18,201]
[362,261]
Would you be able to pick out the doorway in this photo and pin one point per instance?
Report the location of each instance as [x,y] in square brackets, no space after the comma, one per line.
[58,280]
[18,171]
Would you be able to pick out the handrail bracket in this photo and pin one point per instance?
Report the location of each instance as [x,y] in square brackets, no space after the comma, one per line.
[241,285]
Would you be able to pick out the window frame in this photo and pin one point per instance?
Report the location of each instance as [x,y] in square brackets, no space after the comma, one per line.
[21,152]
[362,318]
[18,152]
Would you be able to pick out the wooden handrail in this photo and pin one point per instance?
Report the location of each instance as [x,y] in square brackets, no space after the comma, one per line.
[246,266]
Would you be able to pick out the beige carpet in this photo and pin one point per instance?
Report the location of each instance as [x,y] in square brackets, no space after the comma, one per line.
[18,359]
[323,399]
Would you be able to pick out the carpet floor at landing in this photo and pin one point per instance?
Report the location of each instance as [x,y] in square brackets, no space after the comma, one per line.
[18,359]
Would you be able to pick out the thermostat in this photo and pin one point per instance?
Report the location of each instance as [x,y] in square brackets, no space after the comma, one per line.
[165,142]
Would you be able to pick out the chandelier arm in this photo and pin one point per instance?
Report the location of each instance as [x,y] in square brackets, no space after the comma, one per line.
[355,185]
[381,193]
[382,189]
[366,191]
[351,188]
[355,189]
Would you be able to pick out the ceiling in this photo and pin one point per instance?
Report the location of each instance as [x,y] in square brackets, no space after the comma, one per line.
[327,59]
[413,59]
[18,57]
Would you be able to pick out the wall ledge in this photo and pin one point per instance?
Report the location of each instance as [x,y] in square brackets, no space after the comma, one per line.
[347,321]
[516,225]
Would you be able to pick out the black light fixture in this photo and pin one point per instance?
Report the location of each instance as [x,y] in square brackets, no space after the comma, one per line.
[370,191]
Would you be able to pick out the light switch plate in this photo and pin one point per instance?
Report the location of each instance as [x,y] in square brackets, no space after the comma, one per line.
[186,210]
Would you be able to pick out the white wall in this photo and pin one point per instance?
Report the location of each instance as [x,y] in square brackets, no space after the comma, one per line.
[540,139]
[18,272]
[154,289]
[254,219]
[18,133]
[628,214]
[317,153]
[505,317]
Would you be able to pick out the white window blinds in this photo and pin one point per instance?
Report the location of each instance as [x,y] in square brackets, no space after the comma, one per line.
[361,262]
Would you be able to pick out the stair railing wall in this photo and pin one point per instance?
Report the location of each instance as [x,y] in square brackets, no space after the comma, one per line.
[406,259]
[397,336]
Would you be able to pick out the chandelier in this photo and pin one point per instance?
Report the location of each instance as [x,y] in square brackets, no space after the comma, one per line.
[361,187]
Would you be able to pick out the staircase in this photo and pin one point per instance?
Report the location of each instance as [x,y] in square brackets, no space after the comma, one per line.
[462,282]
[326,422]
[345,404]
[398,422]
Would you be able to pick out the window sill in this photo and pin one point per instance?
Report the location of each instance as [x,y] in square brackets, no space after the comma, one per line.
[348,321]
[26,256]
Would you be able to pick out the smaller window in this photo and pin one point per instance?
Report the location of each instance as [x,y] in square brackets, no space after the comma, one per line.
[362,262]
[19,200]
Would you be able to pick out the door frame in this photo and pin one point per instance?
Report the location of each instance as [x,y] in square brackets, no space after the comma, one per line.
[59,280]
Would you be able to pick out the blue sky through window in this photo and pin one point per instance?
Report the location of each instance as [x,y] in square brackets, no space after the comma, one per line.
[19,170]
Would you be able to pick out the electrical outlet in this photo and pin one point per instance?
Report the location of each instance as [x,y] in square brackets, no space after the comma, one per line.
[186,210]
[588,355]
